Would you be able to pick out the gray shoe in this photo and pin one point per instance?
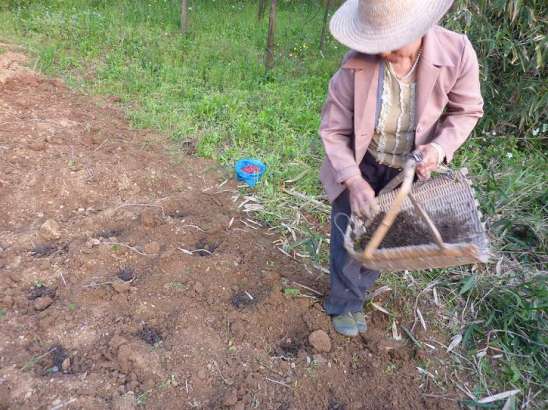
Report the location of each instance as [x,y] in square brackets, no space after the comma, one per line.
[361,324]
[345,324]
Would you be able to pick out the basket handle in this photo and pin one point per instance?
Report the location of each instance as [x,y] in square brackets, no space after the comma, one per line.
[408,175]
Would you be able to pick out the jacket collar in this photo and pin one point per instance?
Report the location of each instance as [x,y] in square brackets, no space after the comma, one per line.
[433,53]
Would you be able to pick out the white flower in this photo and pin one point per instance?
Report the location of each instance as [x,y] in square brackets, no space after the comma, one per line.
[509,155]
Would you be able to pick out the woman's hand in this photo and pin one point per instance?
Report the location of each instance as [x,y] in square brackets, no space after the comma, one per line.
[362,197]
[431,160]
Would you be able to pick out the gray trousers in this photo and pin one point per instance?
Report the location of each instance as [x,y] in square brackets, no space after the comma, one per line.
[350,281]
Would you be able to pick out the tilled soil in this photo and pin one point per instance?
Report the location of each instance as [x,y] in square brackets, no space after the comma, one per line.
[124,284]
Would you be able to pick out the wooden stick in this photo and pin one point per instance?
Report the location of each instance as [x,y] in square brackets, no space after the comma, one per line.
[426,218]
[462,249]
[280,383]
[378,236]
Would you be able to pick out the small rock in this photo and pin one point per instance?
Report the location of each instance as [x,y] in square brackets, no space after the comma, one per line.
[37,146]
[46,322]
[42,303]
[93,242]
[148,218]
[121,287]
[230,398]
[199,288]
[152,248]
[320,341]
[66,365]
[50,230]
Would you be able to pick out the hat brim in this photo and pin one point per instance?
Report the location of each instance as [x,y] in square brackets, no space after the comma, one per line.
[346,27]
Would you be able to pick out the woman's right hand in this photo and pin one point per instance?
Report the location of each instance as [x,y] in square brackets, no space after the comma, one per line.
[362,197]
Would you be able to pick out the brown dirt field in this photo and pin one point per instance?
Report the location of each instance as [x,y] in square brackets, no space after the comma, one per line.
[104,308]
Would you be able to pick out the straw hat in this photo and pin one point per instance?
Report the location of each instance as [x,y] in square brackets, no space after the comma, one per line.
[376,26]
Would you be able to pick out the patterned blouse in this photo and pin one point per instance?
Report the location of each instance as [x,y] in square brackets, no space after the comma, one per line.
[394,135]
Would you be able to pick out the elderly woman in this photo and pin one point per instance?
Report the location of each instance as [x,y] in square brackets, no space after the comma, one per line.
[407,84]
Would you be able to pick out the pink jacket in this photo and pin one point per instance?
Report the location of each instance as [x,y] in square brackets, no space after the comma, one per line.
[448,104]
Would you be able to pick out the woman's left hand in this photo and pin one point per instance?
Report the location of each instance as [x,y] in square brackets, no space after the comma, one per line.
[429,162]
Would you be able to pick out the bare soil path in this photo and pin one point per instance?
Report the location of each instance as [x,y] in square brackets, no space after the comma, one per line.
[128,279]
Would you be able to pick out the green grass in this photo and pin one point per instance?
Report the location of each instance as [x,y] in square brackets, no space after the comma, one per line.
[210,89]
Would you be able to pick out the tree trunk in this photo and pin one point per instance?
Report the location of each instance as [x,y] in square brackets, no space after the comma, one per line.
[184,16]
[269,55]
[262,7]
[324,27]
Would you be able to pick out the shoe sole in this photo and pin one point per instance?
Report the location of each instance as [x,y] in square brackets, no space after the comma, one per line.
[349,333]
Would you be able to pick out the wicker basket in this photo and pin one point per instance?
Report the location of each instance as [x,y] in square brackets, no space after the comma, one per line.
[431,201]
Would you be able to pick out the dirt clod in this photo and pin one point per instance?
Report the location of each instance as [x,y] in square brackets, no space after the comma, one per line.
[37,146]
[152,248]
[50,230]
[149,218]
[42,303]
[320,341]
[116,342]
[121,286]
